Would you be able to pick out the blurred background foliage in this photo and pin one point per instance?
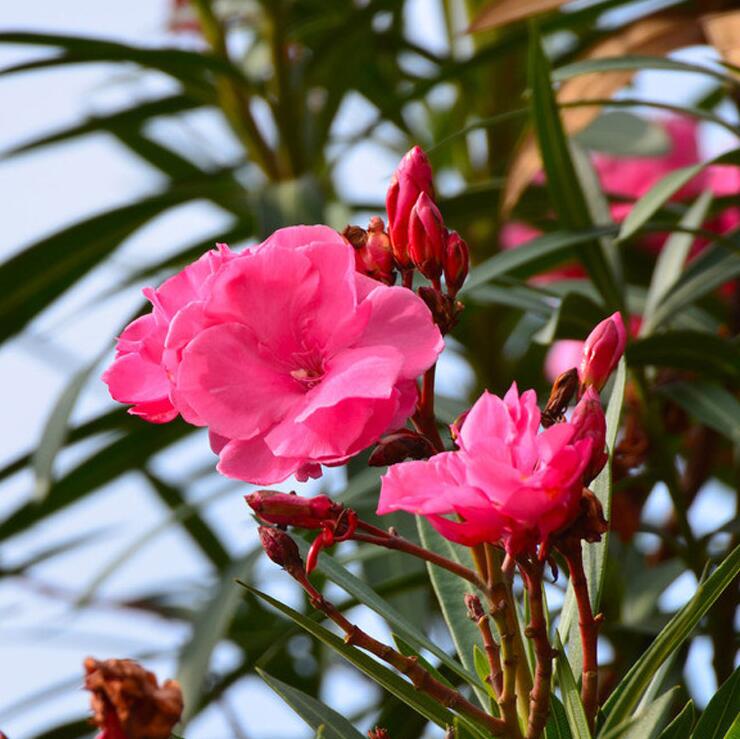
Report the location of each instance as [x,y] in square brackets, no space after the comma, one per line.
[287,77]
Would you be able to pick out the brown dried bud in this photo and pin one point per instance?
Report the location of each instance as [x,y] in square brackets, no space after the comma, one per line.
[373,254]
[475,609]
[589,525]
[128,702]
[445,310]
[281,549]
[563,390]
[400,445]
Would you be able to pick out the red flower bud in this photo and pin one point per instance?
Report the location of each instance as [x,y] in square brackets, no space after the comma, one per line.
[427,237]
[378,733]
[412,177]
[282,550]
[373,254]
[590,423]
[286,509]
[601,352]
[456,262]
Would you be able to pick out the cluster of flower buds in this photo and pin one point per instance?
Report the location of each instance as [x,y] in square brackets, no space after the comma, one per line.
[335,522]
[419,238]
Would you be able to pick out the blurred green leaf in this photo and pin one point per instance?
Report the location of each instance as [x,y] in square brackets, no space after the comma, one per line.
[703,352]
[664,189]
[670,262]
[450,591]
[570,694]
[624,134]
[721,711]
[557,725]
[647,723]
[680,727]
[709,404]
[627,694]
[375,671]
[317,715]
[563,183]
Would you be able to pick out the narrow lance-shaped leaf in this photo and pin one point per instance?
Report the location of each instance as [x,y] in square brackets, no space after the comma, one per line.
[563,183]
[315,713]
[627,694]
[721,711]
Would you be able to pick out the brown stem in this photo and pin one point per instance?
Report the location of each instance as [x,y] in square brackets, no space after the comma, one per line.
[377,536]
[407,278]
[507,629]
[539,698]
[497,586]
[589,628]
[496,673]
[424,417]
[409,666]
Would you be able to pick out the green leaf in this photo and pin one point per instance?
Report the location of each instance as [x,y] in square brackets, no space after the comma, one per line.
[710,404]
[634,62]
[313,712]
[594,555]
[707,353]
[623,134]
[557,724]
[55,431]
[380,674]
[660,193]
[680,727]
[538,255]
[647,723]
[409,632]
[713,267]
[563,183]
[209,629]
[734,731]
[627,694]
[721,710]
[570,694]
[574,318]
[450,591]
[671,259]
[483,669]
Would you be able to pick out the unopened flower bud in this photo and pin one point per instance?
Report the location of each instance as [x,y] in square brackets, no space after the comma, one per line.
[378,733]
[427,237]
[285,509]
[400,445]
[456,262]
[412,177]
[590,423]
[282,550]
[602,351]
[373,254]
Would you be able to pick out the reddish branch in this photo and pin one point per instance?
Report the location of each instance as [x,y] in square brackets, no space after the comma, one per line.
[479,617]
[539,697]
[589,628]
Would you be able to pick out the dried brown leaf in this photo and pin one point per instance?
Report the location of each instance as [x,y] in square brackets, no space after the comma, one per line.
[723,32]
[501,12]
[656,35]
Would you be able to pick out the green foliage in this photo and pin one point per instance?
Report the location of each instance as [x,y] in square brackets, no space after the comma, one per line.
[474,103]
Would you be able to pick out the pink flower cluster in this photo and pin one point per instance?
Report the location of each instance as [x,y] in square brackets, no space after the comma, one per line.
[509,482]
[288,355]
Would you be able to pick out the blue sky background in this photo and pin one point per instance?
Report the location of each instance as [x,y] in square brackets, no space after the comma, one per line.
[43,640]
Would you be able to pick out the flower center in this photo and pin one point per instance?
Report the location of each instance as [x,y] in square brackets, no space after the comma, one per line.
[310,369]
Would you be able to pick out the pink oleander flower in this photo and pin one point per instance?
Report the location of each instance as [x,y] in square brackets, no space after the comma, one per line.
[138,376]
[291,358]
[590,423]
[602,350]
[412,177]
[507,483]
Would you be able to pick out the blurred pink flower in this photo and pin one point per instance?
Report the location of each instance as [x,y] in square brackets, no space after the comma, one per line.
[137,376]
[507,483]
[289,356]
[562,356]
